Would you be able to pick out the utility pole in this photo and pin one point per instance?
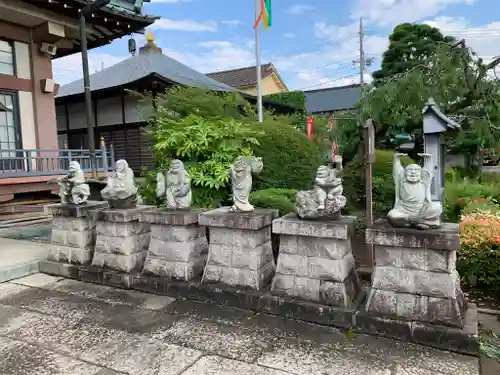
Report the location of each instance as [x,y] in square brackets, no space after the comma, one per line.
[361,52]
[258,72]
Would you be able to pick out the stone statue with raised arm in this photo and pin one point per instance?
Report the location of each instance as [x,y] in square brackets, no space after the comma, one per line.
[240,174]
[175,185]
[120,190]
[413,204]
[73,189]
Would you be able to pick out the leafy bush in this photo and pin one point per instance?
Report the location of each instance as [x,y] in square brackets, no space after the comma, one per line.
[479,256]
[281,199]
[294,98]
[147,188]
[460,191]
[206,144]
[383,182]
[290,158]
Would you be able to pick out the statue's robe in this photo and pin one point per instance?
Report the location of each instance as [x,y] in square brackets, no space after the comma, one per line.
[413,204]
[178,190]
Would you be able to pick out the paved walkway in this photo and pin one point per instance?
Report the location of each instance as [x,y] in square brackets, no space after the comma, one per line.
[53,326]
[19,258]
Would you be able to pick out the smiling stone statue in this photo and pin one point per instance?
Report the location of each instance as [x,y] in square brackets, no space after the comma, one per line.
[413,206]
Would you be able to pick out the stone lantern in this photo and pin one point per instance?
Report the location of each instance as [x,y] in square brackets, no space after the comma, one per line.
[436,124]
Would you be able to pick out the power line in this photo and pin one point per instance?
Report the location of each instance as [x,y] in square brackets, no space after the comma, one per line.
[322,45]
[326,82]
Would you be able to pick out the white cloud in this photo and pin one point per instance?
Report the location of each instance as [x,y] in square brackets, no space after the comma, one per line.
[392,12]
[231,22]
[184,25]
[69,68]
[484,39]
[289,35]
[298,9]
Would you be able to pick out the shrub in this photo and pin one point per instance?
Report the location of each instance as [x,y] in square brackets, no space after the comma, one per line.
[383,182]
[281,199]
[479,256]
[290,158]
[460,191]
[208,146]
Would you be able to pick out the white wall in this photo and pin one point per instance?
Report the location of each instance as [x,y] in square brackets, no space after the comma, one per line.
[23,67]
[27,119]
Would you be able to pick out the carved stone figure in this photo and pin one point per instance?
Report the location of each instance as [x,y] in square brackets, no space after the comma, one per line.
[241,180]
[73,189]
[176,186]
[121,191]
[413,205]
[325,200]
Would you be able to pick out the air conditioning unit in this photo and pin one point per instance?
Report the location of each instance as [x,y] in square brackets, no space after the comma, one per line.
[50,49]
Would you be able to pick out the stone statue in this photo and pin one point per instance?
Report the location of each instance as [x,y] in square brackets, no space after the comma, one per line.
[413,205]
[73,189]
[120,191]
[176,186]
[240,174]
[325,200]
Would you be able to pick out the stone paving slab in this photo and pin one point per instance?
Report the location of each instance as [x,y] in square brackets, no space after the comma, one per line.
[65,327]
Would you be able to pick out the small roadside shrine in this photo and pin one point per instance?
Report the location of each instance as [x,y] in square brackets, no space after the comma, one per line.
[436,123]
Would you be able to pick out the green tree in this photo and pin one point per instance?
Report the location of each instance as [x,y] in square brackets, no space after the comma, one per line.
[409,46]
[458,81]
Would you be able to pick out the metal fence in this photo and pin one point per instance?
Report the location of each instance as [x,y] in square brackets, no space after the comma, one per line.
[46,162]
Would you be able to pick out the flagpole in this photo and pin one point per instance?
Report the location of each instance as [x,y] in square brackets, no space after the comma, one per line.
[257,62]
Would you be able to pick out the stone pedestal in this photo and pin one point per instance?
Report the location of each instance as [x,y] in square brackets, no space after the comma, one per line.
[122,241]
[178,247]
[240,252]
[415,276]
[73,231]
[315,260]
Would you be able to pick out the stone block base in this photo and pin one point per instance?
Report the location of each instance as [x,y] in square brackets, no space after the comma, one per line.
[178,247]
[415,278]
[122,241]
[240,252]
[453,339]
[315,260]
[461,340]
[73,232]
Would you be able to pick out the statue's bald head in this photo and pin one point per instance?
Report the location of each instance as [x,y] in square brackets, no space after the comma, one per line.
[413,173]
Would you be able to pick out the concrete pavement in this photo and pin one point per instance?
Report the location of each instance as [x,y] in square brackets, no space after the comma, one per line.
[53,326]
[20,258]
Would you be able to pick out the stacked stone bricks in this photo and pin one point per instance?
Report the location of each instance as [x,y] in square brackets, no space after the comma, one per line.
[240,252]
[73,232]
[415,276]
[315,261]
[122,241]
[178,247]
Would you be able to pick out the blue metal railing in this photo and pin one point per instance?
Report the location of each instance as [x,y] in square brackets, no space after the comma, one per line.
[47,162]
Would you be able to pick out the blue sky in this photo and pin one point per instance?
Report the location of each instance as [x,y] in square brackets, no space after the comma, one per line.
[312,43]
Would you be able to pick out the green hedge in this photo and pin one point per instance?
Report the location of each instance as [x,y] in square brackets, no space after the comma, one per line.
[281,199]
[290,158]
[383,182]
[460,191]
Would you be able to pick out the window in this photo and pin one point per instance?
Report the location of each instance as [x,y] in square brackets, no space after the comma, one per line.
[9,134]
[6,58]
